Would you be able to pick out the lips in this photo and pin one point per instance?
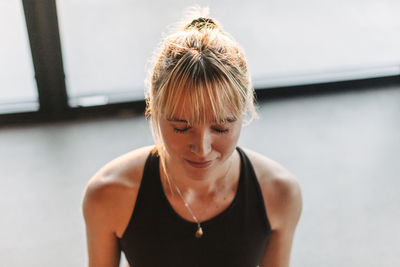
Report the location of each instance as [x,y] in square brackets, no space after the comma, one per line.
[199,164]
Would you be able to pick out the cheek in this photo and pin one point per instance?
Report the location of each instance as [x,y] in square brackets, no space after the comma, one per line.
[227,143]
[172,141]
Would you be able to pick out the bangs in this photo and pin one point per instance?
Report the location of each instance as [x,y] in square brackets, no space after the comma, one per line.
[200,99]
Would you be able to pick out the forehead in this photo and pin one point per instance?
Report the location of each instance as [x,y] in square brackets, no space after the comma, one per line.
[197,111]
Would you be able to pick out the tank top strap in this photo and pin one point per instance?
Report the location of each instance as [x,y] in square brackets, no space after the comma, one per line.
[150,187]
[252,186]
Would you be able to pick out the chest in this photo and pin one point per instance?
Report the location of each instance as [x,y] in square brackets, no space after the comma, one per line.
[199,210]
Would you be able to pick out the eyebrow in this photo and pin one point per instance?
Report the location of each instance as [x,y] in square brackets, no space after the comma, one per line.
[177,120]
[229,119]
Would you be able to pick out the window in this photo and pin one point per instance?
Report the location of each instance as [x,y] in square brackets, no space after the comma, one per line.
[106,44]
[105,48]
[17,84]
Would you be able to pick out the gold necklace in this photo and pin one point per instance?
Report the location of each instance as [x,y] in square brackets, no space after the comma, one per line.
[199,232]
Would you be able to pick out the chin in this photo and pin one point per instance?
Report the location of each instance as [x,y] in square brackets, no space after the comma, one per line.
[201,170]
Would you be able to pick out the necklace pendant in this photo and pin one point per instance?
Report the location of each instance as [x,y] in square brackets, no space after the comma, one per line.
[199,232]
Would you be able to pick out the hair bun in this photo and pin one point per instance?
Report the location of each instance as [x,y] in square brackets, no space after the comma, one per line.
[201,23]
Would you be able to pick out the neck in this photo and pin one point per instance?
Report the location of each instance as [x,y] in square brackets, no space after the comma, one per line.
[199,188]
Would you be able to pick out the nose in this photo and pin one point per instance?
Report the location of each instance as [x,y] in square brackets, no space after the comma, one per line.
[201,143]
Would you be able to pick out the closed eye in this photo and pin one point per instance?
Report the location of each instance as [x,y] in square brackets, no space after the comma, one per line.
[178,130]
[218,130]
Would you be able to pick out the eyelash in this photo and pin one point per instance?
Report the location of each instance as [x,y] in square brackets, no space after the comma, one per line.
[219,131]
[180,130]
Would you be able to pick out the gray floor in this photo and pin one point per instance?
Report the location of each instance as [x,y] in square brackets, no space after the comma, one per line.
[344,148]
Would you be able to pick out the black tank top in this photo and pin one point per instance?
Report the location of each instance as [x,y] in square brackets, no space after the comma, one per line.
[157,236]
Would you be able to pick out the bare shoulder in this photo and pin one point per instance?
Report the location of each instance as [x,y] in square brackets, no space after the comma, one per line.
[111,193]
[280,188]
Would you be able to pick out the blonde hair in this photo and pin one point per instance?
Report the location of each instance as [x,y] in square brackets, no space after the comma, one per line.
[201,67]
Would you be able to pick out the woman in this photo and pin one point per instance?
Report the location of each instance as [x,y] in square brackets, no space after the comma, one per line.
[195,198]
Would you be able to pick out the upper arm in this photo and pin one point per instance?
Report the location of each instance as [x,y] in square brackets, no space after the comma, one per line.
[283,202]
[284,209]
[108,204]
[102,244]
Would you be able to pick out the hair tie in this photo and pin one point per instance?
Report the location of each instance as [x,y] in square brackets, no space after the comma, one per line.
[201,23]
